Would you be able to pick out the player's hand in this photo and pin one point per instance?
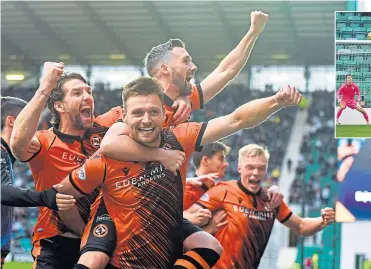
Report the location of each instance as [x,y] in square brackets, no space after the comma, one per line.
[200,218]
[288,96]
[172,160]
[64,202]
[275,197]
[218,220]
[258,21]
[51,73]
[183,108]
[208,180]
[328,215]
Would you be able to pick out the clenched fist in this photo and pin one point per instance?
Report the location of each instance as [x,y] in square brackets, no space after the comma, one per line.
[328,215]
[258,20]
[51,73]
[288,96]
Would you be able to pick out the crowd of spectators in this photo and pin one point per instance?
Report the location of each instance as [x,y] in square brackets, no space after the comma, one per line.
[317,163]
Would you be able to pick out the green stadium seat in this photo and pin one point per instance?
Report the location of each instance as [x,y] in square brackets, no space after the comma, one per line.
[357,75]
[354,19]
[346,32]
[340,25]
[354,24]
[360,33]
[352,46]
[341,17]
[366,25]
[359,30]
[366,19]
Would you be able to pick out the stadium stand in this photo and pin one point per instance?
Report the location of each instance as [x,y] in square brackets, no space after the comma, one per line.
[353,25]
[316,174]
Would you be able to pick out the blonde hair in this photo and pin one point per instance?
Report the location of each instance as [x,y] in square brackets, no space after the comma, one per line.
[252,150]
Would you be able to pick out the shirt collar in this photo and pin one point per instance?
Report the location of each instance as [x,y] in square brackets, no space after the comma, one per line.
[66,138]
[242,187]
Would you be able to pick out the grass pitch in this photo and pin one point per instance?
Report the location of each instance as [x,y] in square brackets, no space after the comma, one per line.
[353,130]
[17,265]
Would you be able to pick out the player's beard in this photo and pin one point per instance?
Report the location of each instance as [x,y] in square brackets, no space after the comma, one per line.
[184,87]
[77,122]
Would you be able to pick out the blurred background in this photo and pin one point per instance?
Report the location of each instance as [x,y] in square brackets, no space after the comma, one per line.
[107,41]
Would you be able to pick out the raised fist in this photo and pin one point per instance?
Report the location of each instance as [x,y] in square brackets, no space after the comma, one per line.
[51,73]
[258,20]
[288,96]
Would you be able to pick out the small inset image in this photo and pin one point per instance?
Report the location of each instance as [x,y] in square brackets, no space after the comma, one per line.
[354,174]
[353,74]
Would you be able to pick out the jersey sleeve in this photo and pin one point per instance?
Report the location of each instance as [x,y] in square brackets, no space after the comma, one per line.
[213,198]
[37,160]
[109,118]
[88,177]
[190,136]
[197,97]
[284,213]
[192,194]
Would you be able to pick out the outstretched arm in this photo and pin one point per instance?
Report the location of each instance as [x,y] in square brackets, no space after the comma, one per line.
[26,123]
[249,115]
[233,63]
[310,226]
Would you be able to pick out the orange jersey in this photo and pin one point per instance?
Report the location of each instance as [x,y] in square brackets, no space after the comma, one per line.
[192,194]
[250,222]
[58,156]
[197,102]
[144,200]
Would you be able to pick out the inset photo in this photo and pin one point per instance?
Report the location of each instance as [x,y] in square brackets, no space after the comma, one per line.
[353,74]
[354,174]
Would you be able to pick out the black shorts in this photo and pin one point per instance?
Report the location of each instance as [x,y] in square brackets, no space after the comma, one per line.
[56,252]
[100,232]
[189,228]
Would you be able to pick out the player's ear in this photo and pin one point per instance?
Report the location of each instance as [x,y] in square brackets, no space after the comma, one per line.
[10,121]
[239,169]
[164,68]
[59,106]
[205,160]
[123,113]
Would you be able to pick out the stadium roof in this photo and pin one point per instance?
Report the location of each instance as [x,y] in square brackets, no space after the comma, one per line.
[103,33]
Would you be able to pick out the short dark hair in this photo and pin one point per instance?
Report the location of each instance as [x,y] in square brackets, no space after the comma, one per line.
[142,86]
[57,94]
[10,106]
[348,75]
[158,54]
[209,150]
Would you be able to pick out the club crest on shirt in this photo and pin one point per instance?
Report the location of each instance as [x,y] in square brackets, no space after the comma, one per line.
[95,141]
[101,230]
[205,197]
[81,173]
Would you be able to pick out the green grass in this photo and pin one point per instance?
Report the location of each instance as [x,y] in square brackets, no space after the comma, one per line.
[17,265]
[353,131]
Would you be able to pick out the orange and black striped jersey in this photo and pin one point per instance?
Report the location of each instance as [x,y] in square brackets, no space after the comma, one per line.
[144,200]
[197,102]
[250,222]
[58,156]
[192,194]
